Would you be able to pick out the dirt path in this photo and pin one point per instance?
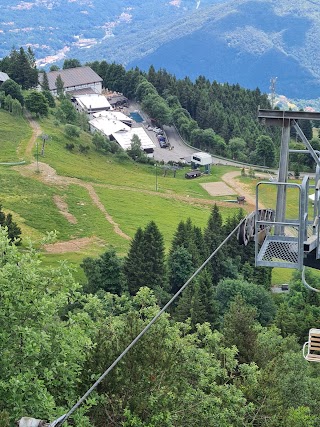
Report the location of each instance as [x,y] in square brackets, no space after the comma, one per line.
[49,176]
[241,189]
[36,132]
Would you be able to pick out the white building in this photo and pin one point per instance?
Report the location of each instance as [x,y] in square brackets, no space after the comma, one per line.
[107,127]
[115,115]
[91,104]
[120,132]
[201,158]
[124,139]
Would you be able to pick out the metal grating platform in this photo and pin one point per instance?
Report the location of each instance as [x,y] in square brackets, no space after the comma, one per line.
[279,251]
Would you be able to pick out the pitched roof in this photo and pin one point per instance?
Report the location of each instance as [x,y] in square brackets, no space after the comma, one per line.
[73,77]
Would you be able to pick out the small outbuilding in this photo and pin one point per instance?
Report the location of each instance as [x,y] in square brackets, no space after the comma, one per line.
[201,159]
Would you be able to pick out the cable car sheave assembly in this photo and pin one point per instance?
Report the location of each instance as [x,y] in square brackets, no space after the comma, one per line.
[280,240]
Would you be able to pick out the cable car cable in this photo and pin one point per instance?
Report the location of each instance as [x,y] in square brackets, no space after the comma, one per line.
[310,288]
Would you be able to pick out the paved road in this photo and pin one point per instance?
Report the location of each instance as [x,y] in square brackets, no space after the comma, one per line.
[180,152]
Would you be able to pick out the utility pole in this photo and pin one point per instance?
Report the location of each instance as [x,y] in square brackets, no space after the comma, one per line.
[37,155]
[156,165]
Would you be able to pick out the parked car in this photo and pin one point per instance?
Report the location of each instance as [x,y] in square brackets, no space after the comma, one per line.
[193,174]
[163,144]
[161,138]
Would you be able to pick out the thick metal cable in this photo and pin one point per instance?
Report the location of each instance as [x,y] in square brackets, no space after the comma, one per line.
[310,288]
[59,421]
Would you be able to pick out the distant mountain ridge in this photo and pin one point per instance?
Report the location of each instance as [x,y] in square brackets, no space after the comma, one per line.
[239,41]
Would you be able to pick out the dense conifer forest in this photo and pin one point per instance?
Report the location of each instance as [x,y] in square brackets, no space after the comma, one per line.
[228,352]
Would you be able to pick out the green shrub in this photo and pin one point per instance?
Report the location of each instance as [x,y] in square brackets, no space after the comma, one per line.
[71,131]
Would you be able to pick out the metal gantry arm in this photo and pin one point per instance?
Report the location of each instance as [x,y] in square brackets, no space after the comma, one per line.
[304,248]
[309,254]
[306,142]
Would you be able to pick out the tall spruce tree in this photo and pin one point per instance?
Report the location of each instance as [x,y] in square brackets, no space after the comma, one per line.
[180,268]
[45,81]
[22,68]
[145,262]
[133,264]
[190,237]
[154,258]
[213,236]
[59,85]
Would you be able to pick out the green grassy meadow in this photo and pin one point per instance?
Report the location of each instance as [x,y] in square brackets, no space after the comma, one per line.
[125,189]
[15,133]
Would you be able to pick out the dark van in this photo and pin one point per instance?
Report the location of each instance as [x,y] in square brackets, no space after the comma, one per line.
[193,174]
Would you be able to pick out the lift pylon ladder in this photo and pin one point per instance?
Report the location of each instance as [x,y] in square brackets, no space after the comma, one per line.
[290,242]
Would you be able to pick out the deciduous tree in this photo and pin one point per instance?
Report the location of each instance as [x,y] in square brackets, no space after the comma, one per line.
[71,63]
[37,103]
[41,354]
[10,87]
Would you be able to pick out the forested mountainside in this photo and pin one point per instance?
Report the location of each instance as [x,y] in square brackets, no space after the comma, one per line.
[221,119]
[239,41]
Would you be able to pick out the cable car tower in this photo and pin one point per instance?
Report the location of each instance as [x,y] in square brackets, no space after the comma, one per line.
[289,241]
[288,238]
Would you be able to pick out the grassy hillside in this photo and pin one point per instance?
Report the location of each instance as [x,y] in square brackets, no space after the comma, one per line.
[15,133]
[125,192]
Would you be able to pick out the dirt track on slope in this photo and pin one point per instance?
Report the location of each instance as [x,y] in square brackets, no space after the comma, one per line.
[49,176]
[36,132]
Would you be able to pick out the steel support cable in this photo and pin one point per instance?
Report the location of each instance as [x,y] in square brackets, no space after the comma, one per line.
[305,282]
[59,421]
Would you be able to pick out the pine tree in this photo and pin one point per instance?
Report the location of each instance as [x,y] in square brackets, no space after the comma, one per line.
[133,264]
[190,237]
[154,258]
[59,85]
[213,236]
[145,262]
[239,329]
[45,81]
[180,268]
